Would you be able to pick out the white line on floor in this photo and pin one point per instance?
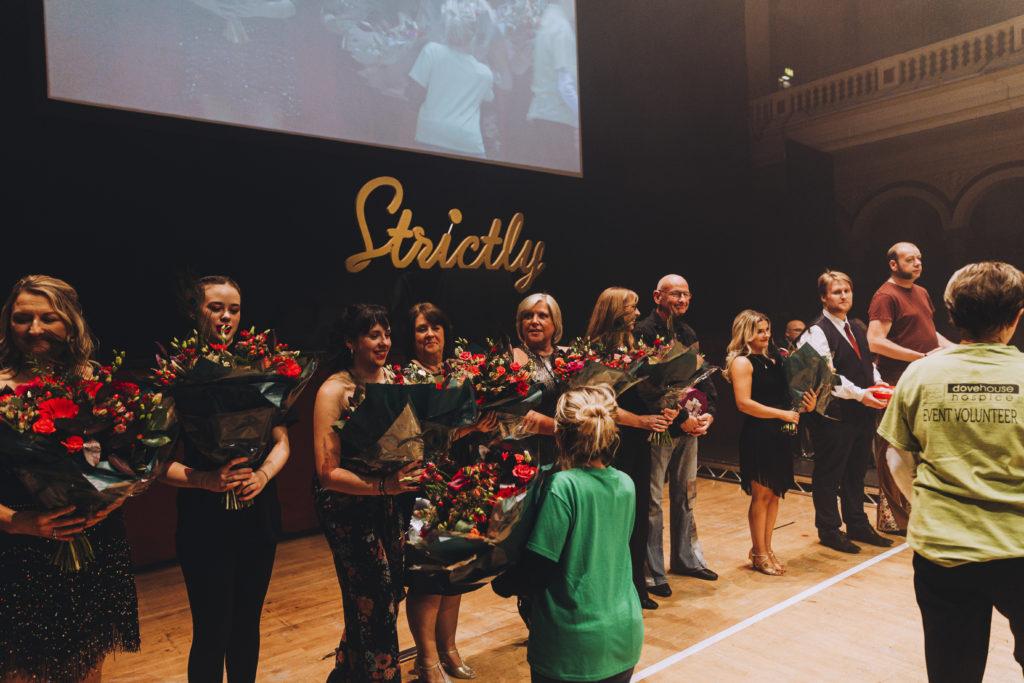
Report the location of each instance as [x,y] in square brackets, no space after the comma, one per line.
[722,635]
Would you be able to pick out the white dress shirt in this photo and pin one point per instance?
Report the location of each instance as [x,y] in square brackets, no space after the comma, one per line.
[814,336]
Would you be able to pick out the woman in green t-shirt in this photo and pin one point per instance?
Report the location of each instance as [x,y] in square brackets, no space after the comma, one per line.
[585,620]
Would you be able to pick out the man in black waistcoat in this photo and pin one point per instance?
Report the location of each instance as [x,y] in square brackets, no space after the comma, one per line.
[843,439]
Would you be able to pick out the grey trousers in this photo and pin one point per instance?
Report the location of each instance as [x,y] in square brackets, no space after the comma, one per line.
[679,461]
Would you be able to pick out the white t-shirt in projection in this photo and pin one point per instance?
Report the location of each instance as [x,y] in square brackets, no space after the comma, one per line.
[554,50]
[456,84]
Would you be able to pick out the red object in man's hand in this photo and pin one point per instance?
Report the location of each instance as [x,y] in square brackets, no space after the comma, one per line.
[882,392]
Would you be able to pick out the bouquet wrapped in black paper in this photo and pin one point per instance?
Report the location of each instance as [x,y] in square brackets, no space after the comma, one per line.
[86,442]
[500,384]
[389,426]
[229,398]
[806,370]
[670,371]
[469,522]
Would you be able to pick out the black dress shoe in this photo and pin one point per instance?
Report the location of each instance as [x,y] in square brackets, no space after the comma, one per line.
[662,590]
[703,573]
[647,603]
[866,534]
[837,540]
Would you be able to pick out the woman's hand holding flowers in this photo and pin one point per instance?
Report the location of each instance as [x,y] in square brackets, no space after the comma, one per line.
[405,480]
[47,524]
[225,478]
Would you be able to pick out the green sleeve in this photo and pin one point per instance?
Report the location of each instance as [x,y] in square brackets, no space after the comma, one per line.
[897,420]
[552,527]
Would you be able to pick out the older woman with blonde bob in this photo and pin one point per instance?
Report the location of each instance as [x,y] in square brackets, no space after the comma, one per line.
[539,328]
[611,327]
[754,366]
[56,625]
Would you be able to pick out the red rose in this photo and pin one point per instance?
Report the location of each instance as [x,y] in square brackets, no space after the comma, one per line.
[500,370]
[465,355]
[43,425]
[514,367]
[439,385]
[58,407]
[657,342]
[91,388]
[524,473]
[73,444]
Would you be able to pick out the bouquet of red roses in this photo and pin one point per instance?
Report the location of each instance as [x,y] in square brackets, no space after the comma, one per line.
[617,368]
[500,383]
[466,514]
[230,396]
[86,442]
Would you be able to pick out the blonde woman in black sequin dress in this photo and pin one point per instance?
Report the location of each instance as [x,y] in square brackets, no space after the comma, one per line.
[56,625]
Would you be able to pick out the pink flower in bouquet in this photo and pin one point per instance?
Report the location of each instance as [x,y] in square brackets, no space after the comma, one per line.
[466,356]
[73,444]
[55,408]
[459,481]
[43,425]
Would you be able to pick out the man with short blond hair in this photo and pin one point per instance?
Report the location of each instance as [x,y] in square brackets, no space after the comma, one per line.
[843,438]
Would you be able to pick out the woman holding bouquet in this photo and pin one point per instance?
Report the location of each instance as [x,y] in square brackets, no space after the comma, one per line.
[56,625]
[611,327]
[754,366]
[226,555]
[539,326]
[360,513]
[433,604]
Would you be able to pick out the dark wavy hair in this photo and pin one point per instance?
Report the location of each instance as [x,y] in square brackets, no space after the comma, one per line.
[355,321]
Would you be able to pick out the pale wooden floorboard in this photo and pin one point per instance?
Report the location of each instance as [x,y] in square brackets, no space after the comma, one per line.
[864,628]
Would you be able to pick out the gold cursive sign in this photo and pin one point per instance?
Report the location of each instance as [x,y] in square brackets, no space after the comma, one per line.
[427,254]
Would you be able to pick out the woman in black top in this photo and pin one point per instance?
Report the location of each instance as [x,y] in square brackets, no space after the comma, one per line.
[226,555]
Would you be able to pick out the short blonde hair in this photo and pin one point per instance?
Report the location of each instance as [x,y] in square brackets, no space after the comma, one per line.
[826,279]
[527,305]
[585,426]
[64,300]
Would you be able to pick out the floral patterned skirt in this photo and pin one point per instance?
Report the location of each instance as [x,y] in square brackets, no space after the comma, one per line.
[367,536]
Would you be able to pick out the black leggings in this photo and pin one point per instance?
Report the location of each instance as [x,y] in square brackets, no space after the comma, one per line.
[226,575]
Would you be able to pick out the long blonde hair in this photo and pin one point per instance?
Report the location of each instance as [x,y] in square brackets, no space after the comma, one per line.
[607,321]
[585,426]
[743,326]
[80,343]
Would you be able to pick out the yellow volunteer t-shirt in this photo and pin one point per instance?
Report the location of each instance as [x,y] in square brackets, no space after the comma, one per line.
[962,410]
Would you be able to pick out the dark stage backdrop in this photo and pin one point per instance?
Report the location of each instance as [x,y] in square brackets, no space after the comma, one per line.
[122,205]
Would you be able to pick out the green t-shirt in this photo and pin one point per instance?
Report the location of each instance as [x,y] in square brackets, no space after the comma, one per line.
[962,410]
[586,625]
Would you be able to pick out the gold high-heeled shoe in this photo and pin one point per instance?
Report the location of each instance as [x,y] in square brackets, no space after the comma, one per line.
[462,671]
[763,564]
[422,671]
[778,565]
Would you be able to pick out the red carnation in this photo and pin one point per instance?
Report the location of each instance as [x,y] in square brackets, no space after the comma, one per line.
[127,388]
[289,368]
[73,444]
[43,425]
[58,407]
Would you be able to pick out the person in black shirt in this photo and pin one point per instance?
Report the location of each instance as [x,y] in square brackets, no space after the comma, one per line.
[679,459]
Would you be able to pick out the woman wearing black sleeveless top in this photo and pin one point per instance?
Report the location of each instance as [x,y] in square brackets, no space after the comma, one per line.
[766,465]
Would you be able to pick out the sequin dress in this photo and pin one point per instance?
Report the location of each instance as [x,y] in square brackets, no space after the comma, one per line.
[58,625]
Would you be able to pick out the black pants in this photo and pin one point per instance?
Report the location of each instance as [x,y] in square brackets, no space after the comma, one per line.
[617,678]
[956,610]
[634,459]
[842,452]
[227,569]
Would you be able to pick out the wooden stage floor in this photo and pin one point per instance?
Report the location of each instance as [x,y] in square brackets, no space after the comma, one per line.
[832,617]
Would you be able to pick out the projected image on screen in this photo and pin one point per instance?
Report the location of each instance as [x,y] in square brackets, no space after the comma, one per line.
[494,80]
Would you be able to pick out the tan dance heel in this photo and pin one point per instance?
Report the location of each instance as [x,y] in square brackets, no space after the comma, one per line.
[422,672]
[462,671]
[763,564]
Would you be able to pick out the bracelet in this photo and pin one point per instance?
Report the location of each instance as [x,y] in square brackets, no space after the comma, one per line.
[381,486]
[265,475]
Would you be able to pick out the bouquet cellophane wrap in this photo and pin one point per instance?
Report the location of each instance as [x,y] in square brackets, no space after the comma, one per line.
[398,424]
[475,560]
[807,369]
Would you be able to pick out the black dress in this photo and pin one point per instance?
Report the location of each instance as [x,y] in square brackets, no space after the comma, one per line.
[57,625]
[765,450]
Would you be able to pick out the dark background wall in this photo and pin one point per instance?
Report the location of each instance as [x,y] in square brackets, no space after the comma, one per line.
[122,205]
